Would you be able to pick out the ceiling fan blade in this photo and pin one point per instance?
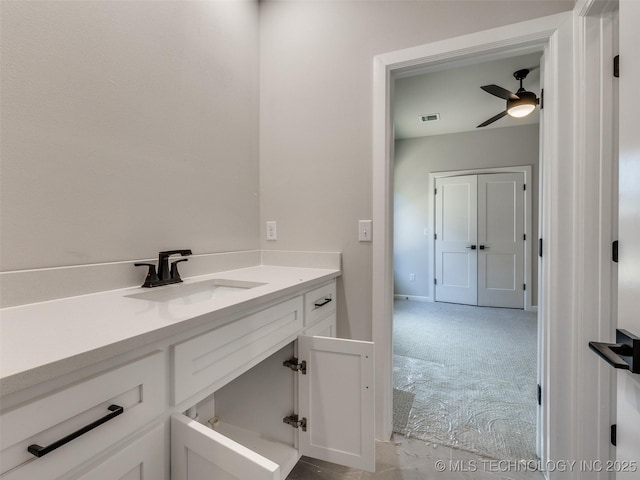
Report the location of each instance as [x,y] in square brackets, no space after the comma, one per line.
[492,119]
[499,92]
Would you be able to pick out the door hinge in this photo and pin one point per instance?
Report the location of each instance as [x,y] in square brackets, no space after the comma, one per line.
[435,191]
[524,187]
[614,434]
[296,422]
[539,395]
[540,247]
[435,236]
[616,66]
[541,99]
[524,286]
[614,251]
[435,281]
[293,364]
[524,236]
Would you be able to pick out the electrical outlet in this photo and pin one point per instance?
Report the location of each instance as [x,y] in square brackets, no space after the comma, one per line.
[272,232]
[412,277]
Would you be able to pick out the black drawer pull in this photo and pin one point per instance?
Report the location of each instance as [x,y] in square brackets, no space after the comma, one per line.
[323,303]
[39,451]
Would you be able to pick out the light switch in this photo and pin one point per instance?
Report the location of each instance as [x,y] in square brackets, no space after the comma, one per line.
[272,232]
[364,230]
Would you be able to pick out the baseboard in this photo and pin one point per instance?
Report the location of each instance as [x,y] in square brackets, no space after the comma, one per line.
[413,298]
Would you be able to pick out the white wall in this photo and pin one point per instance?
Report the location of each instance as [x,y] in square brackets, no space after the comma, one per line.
[127,128]
[316,67]
[416,158]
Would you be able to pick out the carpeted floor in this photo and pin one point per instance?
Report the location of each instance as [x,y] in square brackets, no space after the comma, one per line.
[465,377]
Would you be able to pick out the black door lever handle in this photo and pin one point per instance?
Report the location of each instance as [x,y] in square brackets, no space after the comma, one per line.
[624,354]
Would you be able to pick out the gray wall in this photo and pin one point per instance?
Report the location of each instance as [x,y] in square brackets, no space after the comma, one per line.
[130,127]
[127,128]
[316,117]
[416,158]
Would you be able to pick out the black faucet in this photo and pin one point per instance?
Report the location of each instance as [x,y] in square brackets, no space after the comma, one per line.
[164,276]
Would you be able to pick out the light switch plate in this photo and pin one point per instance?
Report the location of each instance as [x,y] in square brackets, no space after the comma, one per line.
[364,230]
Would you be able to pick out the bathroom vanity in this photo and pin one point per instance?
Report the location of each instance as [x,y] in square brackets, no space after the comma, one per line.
[233,375]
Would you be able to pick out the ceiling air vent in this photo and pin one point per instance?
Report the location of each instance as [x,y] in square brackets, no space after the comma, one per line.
[431,117]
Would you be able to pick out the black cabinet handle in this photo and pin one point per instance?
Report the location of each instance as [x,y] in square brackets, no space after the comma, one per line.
[39,451]
[472,247]
[482,247]
[323,303]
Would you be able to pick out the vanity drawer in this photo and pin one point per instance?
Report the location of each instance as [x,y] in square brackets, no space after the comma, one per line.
[106,408]
[144,458]
[217,356]
[319,303]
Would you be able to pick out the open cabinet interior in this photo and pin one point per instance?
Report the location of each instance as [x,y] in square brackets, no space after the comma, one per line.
[258,425]
[250,410]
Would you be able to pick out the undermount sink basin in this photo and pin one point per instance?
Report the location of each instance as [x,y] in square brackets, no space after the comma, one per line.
[189,293]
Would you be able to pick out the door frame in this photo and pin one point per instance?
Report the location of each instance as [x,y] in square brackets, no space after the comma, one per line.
[573,409]
[431,220]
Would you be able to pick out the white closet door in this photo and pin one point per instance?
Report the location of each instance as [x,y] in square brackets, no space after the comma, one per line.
[501,240]
[456,230]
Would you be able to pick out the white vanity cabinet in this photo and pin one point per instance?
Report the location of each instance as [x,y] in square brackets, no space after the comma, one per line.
[325,393]
[268,380]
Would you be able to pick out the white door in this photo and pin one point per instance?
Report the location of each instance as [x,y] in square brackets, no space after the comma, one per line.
[336,396]
[480,240]
[456,240]
[628,389]
[501,240]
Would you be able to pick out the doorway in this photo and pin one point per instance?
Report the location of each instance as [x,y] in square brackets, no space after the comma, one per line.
[573,204]
[531,36]
[447,399]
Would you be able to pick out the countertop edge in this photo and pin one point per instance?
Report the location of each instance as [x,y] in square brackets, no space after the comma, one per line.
[25,379]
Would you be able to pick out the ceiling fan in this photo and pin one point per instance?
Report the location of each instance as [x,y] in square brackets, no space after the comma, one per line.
[519,104]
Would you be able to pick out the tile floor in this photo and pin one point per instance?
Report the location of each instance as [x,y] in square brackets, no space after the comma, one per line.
[411,459]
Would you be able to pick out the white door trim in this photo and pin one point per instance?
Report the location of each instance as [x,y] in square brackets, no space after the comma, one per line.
[528,180]
[569,423]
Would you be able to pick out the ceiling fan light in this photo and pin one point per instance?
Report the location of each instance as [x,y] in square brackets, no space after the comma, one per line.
[519,111]
[523,105]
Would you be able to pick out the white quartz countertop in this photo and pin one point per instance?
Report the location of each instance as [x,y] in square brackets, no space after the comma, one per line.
[43,340]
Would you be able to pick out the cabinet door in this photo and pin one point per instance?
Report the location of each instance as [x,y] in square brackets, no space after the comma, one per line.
[336,397]
[143,459]
[200,453]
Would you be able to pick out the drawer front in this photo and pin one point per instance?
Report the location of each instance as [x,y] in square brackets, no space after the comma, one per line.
[319,303]
[138,387]
[212,357]
[141,459]
[323,328]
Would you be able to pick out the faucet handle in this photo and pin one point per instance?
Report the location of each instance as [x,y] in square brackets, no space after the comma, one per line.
[174,274]
[152,276]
